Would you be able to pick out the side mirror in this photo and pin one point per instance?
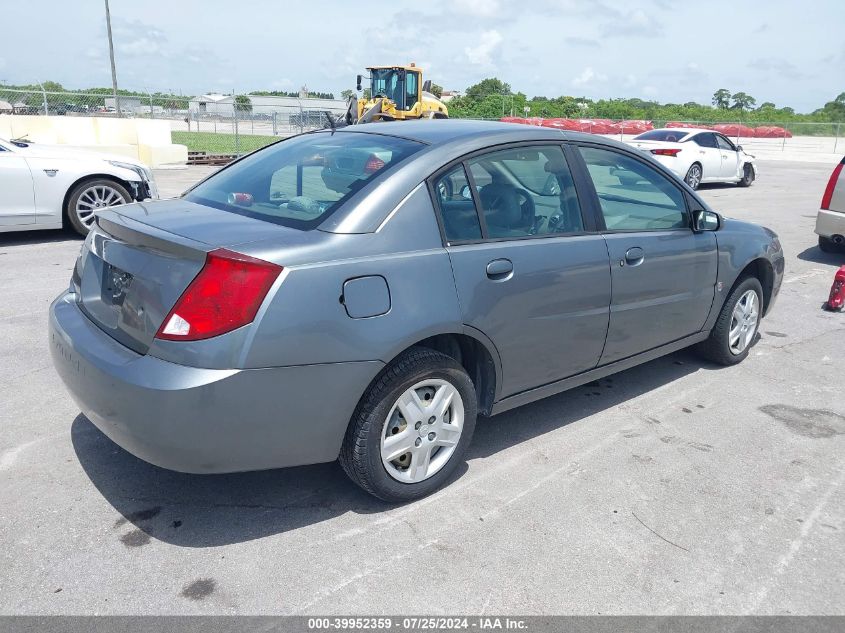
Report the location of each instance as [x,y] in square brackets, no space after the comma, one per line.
[706,221]
[427,85]
[739,148]
[358,82]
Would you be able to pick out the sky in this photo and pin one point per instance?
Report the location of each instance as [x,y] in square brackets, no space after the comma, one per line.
[789,53]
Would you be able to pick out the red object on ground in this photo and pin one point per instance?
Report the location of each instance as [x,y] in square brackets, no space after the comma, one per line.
[678,124]
[771,131]
[734,129]
[837,291]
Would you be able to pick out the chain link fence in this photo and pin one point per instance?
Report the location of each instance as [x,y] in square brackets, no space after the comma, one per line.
[215,124]
[236,124]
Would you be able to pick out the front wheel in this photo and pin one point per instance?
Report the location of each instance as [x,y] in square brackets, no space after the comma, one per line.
[747,176]
[733,334]
[91,196]
[693,177]
[412,427]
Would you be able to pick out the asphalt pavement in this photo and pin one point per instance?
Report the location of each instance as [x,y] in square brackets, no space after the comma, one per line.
[677,487]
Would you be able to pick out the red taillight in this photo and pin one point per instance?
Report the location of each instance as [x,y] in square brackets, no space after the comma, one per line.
[666,152]
[374,163]
[831,185]
[225,295]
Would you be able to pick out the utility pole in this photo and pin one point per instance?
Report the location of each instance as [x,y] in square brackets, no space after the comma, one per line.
[111,57]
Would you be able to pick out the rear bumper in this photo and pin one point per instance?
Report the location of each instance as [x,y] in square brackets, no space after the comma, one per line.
[830,223]
[204,420]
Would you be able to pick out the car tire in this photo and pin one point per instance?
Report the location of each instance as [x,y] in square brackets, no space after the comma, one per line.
[747,175]
[411,377]
[827,245]
[694,176]
[106,191]
[719,346]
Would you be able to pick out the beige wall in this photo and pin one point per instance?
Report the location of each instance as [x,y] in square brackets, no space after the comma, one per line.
[146,140]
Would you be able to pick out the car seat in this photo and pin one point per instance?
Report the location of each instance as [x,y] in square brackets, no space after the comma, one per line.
[503,212]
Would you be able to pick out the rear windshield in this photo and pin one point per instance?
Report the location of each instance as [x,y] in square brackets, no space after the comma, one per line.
[301,181]
[670,136]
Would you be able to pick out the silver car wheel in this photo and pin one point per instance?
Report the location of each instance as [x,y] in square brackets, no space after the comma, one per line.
[422,431]
[694,176]
[95,198]
[744,319]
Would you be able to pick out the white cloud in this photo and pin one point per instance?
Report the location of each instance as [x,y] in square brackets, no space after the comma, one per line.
[482,54]
[637,23]
[482,8]
[588,76]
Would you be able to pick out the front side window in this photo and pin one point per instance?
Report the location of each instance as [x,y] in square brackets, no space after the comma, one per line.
[634,196]
[386,83]
[301,181]
[526,191]
[725,144]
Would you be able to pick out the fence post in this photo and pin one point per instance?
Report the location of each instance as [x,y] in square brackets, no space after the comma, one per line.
[783,143]
[836,140]
[235,118]
[151,105]
[44,96]
[274,123]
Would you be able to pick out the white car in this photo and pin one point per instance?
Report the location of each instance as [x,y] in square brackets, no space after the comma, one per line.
[830,221]
[50,186]
[698,155]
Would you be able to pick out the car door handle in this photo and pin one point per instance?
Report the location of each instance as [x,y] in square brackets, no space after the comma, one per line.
[499,269]
[634,256]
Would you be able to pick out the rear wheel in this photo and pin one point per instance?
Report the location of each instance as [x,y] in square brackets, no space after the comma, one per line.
[411,428]
[827,245]
[747,176]
[90,196]
[694,175]
[733,334]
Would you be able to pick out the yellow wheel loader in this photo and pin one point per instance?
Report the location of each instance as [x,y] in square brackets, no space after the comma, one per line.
[397,93]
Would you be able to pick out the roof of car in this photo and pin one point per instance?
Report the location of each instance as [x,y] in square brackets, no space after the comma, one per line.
[682,130]
[445,130]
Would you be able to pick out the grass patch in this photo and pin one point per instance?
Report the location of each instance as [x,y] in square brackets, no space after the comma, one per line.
[219,143]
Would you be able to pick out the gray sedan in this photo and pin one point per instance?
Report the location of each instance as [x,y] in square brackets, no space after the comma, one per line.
[277,314]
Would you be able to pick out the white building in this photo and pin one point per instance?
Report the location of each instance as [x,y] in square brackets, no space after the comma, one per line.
[224,105]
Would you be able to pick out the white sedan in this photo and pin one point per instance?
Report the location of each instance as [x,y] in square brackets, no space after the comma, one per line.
[50,186]
[698,155]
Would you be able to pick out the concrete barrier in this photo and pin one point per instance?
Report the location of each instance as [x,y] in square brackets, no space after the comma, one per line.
[143,139]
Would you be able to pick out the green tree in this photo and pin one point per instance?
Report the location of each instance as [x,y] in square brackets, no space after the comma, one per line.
[243,104]
[742,101]
[486,87]
[436,90]
[721,98]
[767,105]
[345,94]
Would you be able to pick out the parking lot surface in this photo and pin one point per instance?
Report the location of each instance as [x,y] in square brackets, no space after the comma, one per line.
[677,487]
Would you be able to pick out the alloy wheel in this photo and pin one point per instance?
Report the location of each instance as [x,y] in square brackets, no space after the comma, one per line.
[95,198]
[744,319]
[422,431]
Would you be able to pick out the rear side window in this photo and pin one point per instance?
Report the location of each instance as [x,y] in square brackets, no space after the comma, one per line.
[526,191]
[633,195]
[668,136]
[706,139]
[301,181]
[457,210]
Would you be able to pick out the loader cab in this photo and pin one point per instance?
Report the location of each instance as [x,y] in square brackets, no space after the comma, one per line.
[400,85]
